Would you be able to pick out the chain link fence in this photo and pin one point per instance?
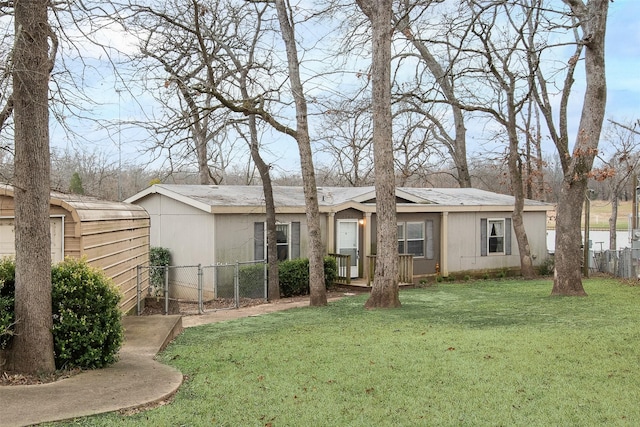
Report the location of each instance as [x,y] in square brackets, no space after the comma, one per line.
[196,289]
[623,263]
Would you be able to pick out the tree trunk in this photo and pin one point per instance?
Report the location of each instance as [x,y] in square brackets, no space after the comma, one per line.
[515,174]
[593,22]
[317,286]
[273,292]
[32,347]
[385,291]
[613,220]
[568,256]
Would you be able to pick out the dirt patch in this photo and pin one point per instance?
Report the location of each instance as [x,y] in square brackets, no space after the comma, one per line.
[13,378]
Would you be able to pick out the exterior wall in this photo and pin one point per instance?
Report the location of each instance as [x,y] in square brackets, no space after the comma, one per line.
[118,247]
[463,250]
[234,235]
[422,265]
[186,231]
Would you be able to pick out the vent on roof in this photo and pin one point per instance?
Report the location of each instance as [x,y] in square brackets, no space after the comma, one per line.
[213,187]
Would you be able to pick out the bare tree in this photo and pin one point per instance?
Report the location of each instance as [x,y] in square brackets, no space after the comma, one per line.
[316,253]
[411,18]
[534,165]
[221,33]
[179,47]
[620,169]
[346,138]
[385,291]
[589,23]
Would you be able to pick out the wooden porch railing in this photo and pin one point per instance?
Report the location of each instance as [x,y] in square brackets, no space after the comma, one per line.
[405,268]
[343,262]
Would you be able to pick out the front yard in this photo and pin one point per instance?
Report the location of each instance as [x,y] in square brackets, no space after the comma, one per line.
[477,353]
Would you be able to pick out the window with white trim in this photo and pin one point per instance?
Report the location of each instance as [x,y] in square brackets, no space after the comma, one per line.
[283,241]
[411,238]
[495,234]
[287,240]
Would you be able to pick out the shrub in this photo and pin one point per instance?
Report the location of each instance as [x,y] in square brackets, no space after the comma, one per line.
[330,271]
[7,291]
[158,258]
[251,281]
[87,328]
[547,266]
[294,277]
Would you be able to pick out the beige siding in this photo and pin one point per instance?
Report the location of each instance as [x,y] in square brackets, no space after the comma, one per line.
[235,240]
[186,231]
[118,247]
[463,250]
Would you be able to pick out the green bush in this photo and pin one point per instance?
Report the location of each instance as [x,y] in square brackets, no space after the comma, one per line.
[7,291]
[330,271]
[251,281]
[158,258]
[87,328]
[294,277]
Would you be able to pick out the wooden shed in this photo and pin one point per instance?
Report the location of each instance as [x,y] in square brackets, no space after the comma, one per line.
[113,236]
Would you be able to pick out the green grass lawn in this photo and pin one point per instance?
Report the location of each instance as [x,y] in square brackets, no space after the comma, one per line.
[475,354]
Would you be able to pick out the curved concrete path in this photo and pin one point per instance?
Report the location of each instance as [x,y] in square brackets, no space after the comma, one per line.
[137,379]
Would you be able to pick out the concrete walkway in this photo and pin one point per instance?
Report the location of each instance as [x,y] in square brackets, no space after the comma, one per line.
[137,379]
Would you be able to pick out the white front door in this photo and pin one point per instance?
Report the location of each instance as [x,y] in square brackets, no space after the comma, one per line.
[348,242]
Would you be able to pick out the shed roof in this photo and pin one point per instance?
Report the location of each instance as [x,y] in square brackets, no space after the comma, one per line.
[88,208]
[212,198]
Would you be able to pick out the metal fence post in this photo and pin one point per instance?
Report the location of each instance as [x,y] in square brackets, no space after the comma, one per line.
[200,302]
[166,289]
[266,279]
[236,284]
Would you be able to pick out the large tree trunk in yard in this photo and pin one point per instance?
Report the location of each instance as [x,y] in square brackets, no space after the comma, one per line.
[385,291]
[32,346]
[317,287]
[569,255]
[593,22]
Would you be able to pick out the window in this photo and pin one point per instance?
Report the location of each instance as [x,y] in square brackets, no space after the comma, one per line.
[287,240]
[495,236]
[282,239]
[411,237]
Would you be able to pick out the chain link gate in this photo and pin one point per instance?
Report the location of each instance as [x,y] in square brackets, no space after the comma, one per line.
[197,289]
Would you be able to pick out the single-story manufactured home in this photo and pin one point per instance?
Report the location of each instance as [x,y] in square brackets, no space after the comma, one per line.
[446,230]
[113,236]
